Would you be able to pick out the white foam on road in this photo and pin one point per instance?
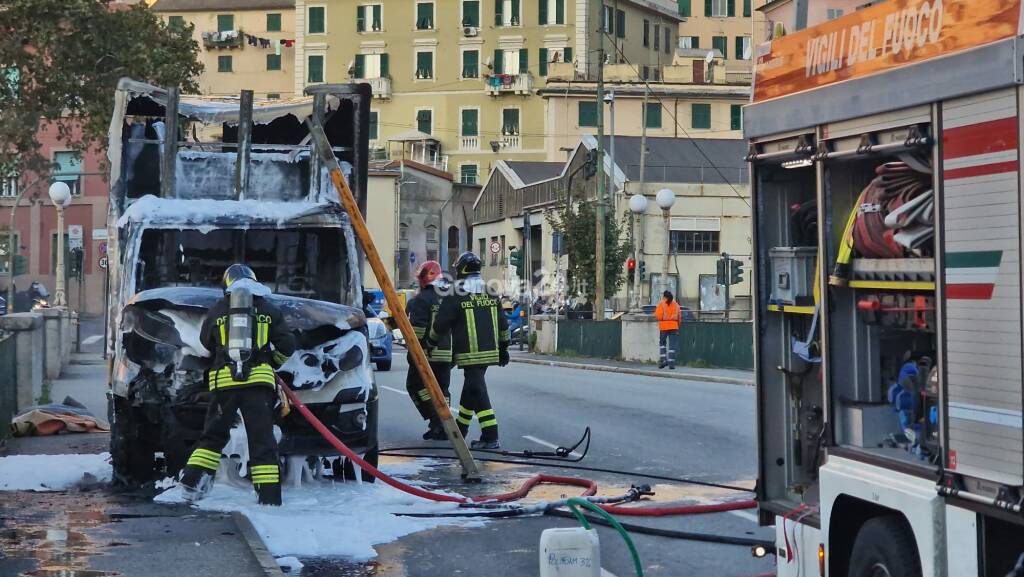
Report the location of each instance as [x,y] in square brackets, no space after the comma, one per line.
[92,339]
[323,519]
[52,472]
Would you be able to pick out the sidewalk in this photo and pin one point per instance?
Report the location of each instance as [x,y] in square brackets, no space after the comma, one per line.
[725,376]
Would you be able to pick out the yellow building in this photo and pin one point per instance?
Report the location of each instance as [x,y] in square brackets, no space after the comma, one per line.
[728,28]
[244,44]
[455,81]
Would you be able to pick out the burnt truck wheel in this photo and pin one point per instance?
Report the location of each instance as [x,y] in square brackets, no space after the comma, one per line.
[132,455]
[383,366]
[885,547]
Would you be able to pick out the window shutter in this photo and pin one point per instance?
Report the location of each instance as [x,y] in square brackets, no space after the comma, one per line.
[720,43]
[360,66]
[559,11]
[652,117]
[377,24]
[524,60]
[384,69]
[567,54]
[731,8]
[542,57]
[695,42]
[738,55]
[684,8]
[707,7]
[620,24]
[542,11]
[498,4]
[586,113]
[470,64]
[701,115]
[736,117]
[469,123]
[516,13]
[499,67]
[471,13]
[746,8]
[360,18]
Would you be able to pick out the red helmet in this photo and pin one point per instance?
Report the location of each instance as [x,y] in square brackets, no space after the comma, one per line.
[428,272]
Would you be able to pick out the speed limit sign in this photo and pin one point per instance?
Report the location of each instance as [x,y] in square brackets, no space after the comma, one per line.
[495,247]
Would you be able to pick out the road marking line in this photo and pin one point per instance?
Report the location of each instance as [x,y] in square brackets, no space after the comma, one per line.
[92,339]
[400,392]
[549,445]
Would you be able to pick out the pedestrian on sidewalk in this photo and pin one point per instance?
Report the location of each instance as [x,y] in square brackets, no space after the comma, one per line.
[480,339]
[422,310]
[669,314]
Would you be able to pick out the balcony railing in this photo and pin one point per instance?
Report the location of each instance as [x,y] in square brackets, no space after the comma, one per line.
[511,141]
[225,39]
[509,84]
[469,143]
[381,87]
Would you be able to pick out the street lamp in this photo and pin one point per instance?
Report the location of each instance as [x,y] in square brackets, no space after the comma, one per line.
[60,196]
[665,199]
[637,205]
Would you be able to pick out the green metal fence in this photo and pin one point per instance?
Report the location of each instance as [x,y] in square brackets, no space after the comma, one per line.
[8,382]
[724,345]
[602,339]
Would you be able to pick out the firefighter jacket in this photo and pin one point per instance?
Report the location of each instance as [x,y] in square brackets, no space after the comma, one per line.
[423,309]
[477,327]
[272,345]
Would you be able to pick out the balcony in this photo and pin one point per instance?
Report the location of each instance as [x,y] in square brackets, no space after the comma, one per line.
[222,40]
[469,143]
[562,71]
[498,84]
[511,141]
[381,87]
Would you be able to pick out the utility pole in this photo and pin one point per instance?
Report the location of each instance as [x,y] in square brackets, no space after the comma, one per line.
[637,284]
[599,225]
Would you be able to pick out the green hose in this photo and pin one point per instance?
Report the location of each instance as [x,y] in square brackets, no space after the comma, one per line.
[637,567]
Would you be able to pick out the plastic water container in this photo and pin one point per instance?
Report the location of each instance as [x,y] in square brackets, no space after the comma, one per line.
[572,552]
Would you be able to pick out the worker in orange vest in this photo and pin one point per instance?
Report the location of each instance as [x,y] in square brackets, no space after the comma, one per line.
[668,314]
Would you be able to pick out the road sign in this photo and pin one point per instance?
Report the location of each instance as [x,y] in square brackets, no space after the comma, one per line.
[412,257]
[103,262]
[75,234]
[99,234]
[495,247]
[103,248]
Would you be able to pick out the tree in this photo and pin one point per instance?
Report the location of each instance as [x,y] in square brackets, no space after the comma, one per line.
[576,222]
[60,61]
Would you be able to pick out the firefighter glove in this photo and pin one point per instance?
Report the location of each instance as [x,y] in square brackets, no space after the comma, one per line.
[503,357]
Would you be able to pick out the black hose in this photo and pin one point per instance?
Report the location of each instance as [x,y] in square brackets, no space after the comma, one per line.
[560,454]
[503,511]
[390,452]
[684,535]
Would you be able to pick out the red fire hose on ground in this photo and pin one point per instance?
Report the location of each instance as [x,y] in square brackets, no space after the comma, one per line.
[589,486]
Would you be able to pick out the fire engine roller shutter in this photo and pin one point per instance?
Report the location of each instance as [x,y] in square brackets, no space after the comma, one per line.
[981,223]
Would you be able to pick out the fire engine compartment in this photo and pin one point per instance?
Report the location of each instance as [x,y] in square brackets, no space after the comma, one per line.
[874,390]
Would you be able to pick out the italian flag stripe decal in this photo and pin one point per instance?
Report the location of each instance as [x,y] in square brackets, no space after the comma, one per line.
[972,275]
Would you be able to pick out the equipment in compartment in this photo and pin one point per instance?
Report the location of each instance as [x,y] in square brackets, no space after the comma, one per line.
[914,396]
[895,218]
[899,310]
[793,274]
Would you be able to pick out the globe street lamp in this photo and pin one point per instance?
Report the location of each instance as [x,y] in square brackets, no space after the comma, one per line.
[637,205]
[665,199]
[60,196]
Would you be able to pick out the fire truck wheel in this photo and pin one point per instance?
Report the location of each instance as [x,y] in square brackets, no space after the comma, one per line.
[885,547]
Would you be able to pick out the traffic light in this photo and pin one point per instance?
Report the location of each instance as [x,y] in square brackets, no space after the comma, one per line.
[735,271]
[590,167]
[515,258]
[643,270]
[721,273]
[20,265]
[631,268]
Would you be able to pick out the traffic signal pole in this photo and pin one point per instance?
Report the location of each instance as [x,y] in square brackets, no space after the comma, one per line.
[728,282]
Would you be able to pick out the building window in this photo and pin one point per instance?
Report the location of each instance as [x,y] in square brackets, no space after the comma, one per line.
[721,44]
[647,32]
[273,61]
[425,65]
[552,56]
[225,22]
[425,121]
[317,22]
[315,68]
[746,8]
[719,8]
[503,254]
[431,233]
[620,24]
[176,22]
[471,13]
[68,169]
[424,15]
[695,241]
[652,119]
[223,64]
[368,17]
[701,116]
[608,19]
[668,40]
[587,114]
[515,61]
[510,121]
[482,247]
[507,13]
[736,117]
[551,12]
[273,22]
[471,64]
[5,252]
[370,66]
[374,125]
[403,232]
[468,173]
[743,48]
[689,41]
[831,13]
[8,188]
[470,122]
[657,38]
[273,96]
[684,8]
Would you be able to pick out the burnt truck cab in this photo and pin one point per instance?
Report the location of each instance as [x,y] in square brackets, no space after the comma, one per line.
[238,184]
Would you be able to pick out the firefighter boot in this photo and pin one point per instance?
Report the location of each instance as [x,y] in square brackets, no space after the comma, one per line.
[196,482]
[269,493]
[435,432]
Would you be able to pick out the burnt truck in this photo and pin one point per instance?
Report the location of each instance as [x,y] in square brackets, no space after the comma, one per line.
[199,183]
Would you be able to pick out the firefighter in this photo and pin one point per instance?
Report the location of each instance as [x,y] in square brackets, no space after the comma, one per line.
[422,309]
[479,334]
[247,337]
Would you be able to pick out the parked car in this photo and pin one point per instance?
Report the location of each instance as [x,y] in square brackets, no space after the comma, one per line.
[3,306]
[381,339]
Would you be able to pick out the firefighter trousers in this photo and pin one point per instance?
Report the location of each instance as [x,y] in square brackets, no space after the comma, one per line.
[476,402]
[420,394]
[256,405]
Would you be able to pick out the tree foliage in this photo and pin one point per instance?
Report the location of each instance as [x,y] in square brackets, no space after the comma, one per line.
[576,222]
[60,61]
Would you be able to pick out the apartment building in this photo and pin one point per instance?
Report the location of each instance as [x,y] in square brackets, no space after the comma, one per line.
[730,28]
[455,81]
[244,44]
[785,16]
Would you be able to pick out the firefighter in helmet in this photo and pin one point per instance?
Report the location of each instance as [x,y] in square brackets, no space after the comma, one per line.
[247,337]
[422,309]
[480,339]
